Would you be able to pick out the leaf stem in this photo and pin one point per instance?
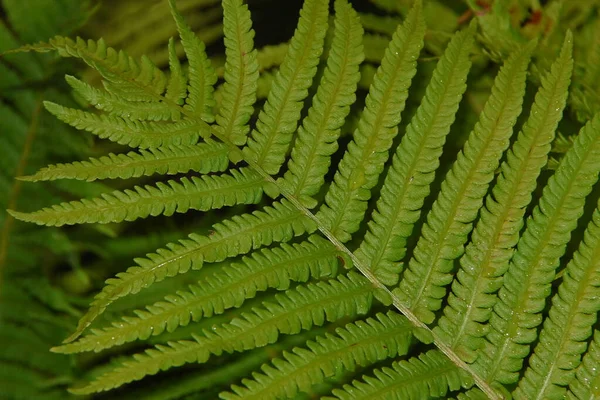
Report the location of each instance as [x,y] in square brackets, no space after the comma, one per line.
[16,188]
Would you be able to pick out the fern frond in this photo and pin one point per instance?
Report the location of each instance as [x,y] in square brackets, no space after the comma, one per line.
[201,74]
[230,287]
[450,219]
[238,235]
[414,164]
[487,256]
[361,343]
[569,324]
[203,158]
[130,132]
[198,193]
[317,137]
[532,269]
[359,169]
[430,375]
[116,67]
[178,82]
[277,120]
[241,73]
[289,313]
[587,382]
[117,105]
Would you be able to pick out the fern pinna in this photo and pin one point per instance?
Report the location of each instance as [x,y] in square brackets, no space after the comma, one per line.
[364,284]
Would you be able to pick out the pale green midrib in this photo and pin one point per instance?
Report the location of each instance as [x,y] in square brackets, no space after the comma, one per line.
[221,341]
[70,171]
[543,244]
[423,376]
[480,382]
[173,197]
[142,323]
[582,285]
[331,355]
[260,158]
[301,180]
[241,78]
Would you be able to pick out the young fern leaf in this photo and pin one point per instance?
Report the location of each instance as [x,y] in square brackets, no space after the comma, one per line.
[230,287]
[532,268]
[201,74]
[177,86]
[289,313]
[131,79]
[587,382]
[203,193]
[238,235]
[487,256]
[117,105]
[450,219]
[128,131]
[203,158]
[569,324]
[414,164]
[443,96]
[277,120]
[363,162]
[241,73]
[430,375]
[317,137]
[361,343]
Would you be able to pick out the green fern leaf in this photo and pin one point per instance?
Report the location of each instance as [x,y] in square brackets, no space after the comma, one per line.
[116,67]
[241,73]
[116,105]
[201,74]
[289,313]
[198,193]
[277,121]
[414,164]
[177,86]
[317,137]
[443,95]
[431,375]
[450,219]
[239,235]
[569,324]
[532,269]
[230,287]
[346,199]
[202,158]
[361,343]
[496,235]
[143,134]
[587,384]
